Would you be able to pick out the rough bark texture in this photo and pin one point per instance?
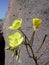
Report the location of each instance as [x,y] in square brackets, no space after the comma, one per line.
[28,9]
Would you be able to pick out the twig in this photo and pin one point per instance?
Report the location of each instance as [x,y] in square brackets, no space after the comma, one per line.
[43,52]
[25,35]
[46,62]
[42,43]
[27,44]
[32,38]
[33,55]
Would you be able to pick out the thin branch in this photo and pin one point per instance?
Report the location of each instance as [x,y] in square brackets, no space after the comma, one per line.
[42,43]
[25,35]
[32,38]
[46,62]
[27,44]
[43,52]
[33,55]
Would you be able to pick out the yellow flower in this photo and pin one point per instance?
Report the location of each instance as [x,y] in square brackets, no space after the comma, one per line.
[15,40]
[16,24]
[36,22]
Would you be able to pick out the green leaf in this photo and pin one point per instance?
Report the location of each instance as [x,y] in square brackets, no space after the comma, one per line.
[16,24]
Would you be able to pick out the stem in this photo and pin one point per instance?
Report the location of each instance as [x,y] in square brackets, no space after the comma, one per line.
[25,35]
[33,55]
[43,52]
[28,51]
[35,59]
[42,43]
[46,63]
[32,38]
[28,44]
